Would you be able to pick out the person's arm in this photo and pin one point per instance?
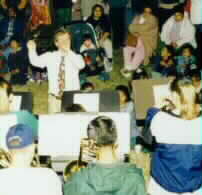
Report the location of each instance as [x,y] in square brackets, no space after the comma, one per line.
[3,4]
[76,59]
[35,59]
[187,36]
[146,132]
[23,4]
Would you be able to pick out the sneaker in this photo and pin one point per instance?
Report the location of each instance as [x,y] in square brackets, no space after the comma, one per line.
[125,73]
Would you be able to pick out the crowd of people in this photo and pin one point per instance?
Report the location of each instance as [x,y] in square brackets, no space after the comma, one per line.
[158,39]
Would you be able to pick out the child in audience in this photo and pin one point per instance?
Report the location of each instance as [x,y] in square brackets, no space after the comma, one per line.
[87,43]
[127,105]
[18,63]
[87,86]
[165,63]
[186,61]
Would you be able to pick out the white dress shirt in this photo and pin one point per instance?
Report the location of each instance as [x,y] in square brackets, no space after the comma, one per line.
[51,60]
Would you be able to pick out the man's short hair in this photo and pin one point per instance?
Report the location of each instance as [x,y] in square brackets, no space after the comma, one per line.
[103,130]
[19,136]
[61,31]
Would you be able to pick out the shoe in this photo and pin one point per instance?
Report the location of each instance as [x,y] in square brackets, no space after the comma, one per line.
[125,73]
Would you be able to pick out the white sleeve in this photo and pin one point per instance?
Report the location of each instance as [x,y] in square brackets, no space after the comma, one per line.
[76,59]
[40,61]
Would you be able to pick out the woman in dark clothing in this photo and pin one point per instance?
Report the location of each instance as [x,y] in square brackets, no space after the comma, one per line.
[102,26]
[18,64]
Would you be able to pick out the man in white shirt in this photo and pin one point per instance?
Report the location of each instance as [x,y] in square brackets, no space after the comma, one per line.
[52,60]
[178,30]
[20,178]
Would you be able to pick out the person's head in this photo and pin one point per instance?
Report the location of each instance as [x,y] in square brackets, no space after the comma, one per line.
[12,12]
[124,95]
[75,108]
[187,50]
[184,97]
[15,44]
[62,40]
[87,40]
[147,10]
[103,131]
[196,78]
[167,51]
[20,142]
[97,11]
[179,15]
[87,86]
[5,95]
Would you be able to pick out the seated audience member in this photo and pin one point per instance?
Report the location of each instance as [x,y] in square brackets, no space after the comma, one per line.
[87,44]
[75,108]
[40,13]
[145,26]
[21,178]
[108,175]
[18,63]
[127,105]
[87,86]
[6,99]
[178,30]
[186,61]
[176,164]
[165,63]
[11,26]
[102,26]
[133,55]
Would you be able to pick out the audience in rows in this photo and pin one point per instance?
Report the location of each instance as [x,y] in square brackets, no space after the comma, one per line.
[166,44]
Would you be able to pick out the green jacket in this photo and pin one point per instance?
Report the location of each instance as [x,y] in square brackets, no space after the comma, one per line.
[100,179]
[117,3]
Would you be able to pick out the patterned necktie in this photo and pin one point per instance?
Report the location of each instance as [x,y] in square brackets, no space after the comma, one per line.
[61,77]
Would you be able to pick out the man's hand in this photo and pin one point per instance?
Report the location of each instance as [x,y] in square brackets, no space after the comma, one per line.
[31,45]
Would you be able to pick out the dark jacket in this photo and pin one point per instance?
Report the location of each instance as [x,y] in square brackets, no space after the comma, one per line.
[117,3]
[100,179]
[18,28]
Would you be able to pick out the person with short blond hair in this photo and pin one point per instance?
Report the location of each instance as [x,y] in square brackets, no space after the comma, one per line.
[72,64]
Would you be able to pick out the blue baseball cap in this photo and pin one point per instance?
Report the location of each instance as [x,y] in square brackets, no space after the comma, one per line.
[19,136]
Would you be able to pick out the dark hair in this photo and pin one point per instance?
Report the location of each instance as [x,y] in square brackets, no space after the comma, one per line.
[75,108]
[6,85]
[179,9]
[97,6]
[87,36]
[187,46]
[103,130]
[140,74]
[125,90]
[87,85]
[170,50]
